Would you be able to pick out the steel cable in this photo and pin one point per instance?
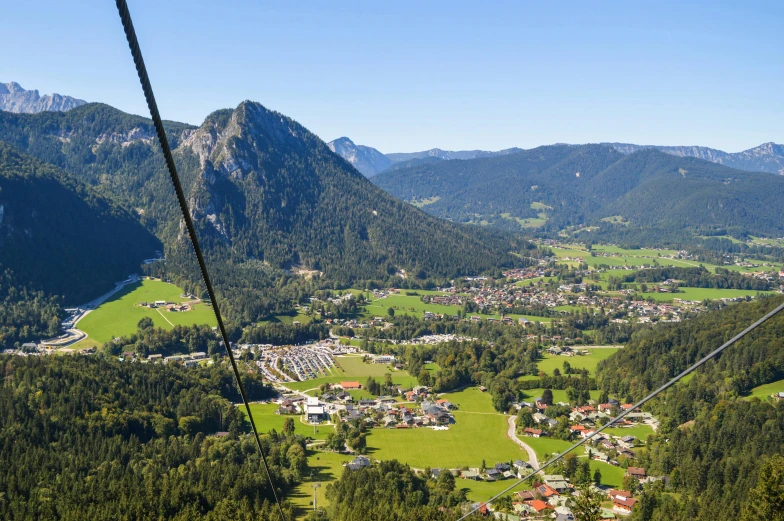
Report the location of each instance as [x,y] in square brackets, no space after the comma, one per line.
[138,60]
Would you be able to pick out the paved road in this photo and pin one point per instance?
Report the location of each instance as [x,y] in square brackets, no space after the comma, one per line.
[513,436]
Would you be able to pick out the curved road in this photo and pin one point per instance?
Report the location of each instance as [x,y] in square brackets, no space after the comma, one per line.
[513,436]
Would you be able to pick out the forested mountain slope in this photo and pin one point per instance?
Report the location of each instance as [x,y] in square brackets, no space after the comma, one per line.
[266,195]
[715,460]
[567,185]
[93,438]
[59,236]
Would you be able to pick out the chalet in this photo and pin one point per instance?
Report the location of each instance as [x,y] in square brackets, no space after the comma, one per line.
[545,490]
[360,462]
[556,481]
[492,473]
[624,505]
[626,442]
[537,506]
[636,472]
[534,433]
[350,386]
[471,474]
[503,467]
[621,494]
[383,359]
[287,409]
[526,495]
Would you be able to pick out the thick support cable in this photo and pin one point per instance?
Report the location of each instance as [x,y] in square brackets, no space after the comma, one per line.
[138,60]
[615,420]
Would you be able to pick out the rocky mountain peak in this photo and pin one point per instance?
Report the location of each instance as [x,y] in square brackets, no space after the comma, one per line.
[13,98]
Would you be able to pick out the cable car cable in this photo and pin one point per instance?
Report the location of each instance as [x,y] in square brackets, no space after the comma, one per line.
[133,43]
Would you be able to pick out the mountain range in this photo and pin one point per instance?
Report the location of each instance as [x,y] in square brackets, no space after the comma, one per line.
[560,186]
[266,194]
[13,98]
[768,157]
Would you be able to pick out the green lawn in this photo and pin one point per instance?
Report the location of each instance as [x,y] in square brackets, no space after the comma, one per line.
[589,362]
[763,392]
[266,420]
[119,315]
[640,432]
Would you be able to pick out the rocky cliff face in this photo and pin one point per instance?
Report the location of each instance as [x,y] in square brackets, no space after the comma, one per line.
[768,157]
[367,160]
[13,98]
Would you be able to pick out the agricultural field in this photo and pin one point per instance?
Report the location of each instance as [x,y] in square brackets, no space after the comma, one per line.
[763,392]
[550,362]
[120,315]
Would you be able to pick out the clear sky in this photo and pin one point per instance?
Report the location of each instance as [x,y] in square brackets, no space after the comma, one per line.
[406,76]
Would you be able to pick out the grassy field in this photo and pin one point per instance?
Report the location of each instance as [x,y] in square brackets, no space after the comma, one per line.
[355,366]
[266,420]
[700,294]
[119,315]
[478,434]
[641,432]
[471,399]
[326,467]
[405,305]
[558,395]
[589,362]
[399,377]
[763,392]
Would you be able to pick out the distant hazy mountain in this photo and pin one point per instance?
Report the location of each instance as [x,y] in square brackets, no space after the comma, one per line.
[13,98]
[558,186]
[768,157]
[450,154]
[367,160]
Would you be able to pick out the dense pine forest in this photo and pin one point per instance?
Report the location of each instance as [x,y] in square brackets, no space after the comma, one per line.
[92,438]
[60,236]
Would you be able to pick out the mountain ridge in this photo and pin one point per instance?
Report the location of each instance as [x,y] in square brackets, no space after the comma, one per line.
[551,188]
[13,98]
[367,160]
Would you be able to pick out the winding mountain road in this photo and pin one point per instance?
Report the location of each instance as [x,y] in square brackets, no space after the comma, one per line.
[527,448]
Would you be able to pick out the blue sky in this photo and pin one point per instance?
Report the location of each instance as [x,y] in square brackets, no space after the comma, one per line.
[405,76]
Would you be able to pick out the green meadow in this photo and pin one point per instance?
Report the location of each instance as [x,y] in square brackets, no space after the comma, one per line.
[120,315]
[550,362]
[266,420]
[479,433]
[763,392]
